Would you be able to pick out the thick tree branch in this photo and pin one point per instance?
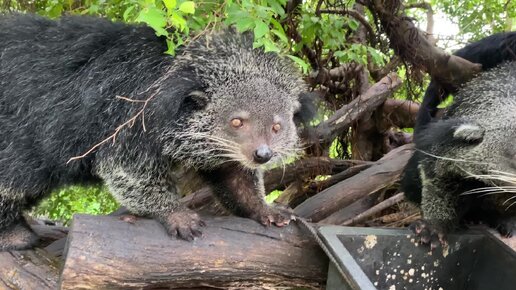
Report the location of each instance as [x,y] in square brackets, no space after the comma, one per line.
[429,15]
[399,113]
[411,44]
[373,179]
[305,168]
[356,109]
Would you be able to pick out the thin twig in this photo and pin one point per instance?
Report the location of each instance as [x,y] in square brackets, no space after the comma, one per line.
[375,209]
[130,100]
[129,123]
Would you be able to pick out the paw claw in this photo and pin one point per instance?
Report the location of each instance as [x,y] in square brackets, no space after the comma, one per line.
[429,233]
[274,215]
[128,218]
[183,224]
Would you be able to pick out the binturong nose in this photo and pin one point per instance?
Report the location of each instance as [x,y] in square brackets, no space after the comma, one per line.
[262,154]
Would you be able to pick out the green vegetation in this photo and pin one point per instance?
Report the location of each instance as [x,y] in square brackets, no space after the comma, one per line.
[62,204]
[317,38]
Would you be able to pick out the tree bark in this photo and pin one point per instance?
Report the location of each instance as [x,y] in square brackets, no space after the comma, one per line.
[375,178]
[305,168]
[33,269]
[356,109]
[234,253]
[414,47]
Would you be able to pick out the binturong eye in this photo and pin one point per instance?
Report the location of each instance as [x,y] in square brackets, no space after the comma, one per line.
[237,123]
[276,127]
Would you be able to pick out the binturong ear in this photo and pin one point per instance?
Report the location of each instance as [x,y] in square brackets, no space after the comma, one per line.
[307,108]
[469,132]
[199,99]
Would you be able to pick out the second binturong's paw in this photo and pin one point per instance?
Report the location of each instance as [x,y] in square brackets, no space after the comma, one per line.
[507,227]
[185,224]
[429,233]
[279,216]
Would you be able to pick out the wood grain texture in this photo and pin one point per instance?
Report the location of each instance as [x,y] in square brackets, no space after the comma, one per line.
[106,253]
[28,270]
[383,174]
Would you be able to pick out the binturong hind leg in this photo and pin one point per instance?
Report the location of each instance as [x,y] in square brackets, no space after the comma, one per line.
[15,233]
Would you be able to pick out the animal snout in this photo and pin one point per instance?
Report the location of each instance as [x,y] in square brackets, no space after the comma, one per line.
[262,154]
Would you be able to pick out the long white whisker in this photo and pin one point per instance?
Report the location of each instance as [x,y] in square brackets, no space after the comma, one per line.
[451,159]
[507,189]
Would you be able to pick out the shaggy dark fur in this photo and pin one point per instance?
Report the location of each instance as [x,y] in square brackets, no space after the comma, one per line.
[465,164]
[490,51]
[59,82]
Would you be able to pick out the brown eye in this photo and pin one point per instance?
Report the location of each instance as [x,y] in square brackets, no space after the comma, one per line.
[276,127]
[237,123]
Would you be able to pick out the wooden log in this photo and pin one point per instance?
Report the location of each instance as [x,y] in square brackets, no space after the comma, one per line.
[344,193]
[33,269]
[352,210]
[106,253]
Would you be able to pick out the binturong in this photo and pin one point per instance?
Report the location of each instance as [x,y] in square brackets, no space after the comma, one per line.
[215,114]
[467,161]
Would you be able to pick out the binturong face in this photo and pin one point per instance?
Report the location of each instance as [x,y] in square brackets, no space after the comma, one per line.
[256,121]
[249,123]
[242,112]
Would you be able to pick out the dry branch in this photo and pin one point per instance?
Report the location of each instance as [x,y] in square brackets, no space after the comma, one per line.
[371,180]
[375,209]
[336,178]
[353,209]
[429,16]
[414,47]
[305,168]
[129,123]
[399,113]
[360,106]
[107,253]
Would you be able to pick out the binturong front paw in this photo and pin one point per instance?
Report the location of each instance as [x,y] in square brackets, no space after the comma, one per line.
[185,224]
[429,233]
[17,237]
[279,216]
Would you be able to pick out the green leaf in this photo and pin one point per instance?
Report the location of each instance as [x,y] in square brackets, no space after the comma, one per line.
[155,18]
[187,7]
[244,24]
[272,196]
[353,24]
[270,46]
[377,57]
[170,4]
[305,67]
[281,35]
[276,7]
[260,29]
[127,12]
[178,21]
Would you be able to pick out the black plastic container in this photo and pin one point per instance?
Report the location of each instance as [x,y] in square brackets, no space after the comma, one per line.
[373,258]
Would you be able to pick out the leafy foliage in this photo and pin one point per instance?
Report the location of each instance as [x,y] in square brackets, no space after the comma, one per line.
[62,204]
[477,19]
